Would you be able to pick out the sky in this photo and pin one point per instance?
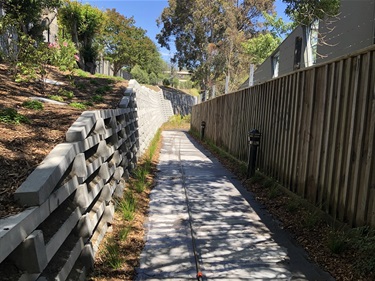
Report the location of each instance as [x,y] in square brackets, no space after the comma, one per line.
[146,12]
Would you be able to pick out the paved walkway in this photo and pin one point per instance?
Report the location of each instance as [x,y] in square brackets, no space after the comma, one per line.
[202,220]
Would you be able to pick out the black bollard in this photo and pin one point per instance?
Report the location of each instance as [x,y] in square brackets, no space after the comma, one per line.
[253,138]
[203,126]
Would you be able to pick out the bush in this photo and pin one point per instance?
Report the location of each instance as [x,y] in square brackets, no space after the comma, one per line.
[153,79]
[10,115]
[63,55]
[140,75]
[166,82]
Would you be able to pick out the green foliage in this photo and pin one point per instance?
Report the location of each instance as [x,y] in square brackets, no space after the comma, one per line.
[103,89]
[293,205]
[208,36]
[128,206]
[139,74]
[26,16]
[33,104]
[10,115]
[311,219]
[153,79]
[31,61]
[56,98]
[83,24]
[97,98]
[175,82]
[305,12]
[126,45]
[81,73]
[63,55]
[112,254]
[166,82]
[123,234]
[154,144]
[337,242]
[68,94]
[264,44]
[78,105]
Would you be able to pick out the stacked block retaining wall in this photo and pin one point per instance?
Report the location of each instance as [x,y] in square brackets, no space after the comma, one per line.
[70,195]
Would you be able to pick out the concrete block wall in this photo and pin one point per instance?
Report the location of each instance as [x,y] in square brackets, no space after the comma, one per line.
[181,103]
[70,196]
[152,109]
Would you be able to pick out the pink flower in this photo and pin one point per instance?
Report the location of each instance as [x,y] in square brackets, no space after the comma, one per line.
[76,57]
[65,44]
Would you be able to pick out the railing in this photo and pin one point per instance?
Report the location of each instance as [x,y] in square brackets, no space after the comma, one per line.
[70,194]
[318,129]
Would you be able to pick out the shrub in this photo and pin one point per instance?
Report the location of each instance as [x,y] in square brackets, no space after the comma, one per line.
[78,105]
[63,55]
[33,104]
[97,98]
[166,82]
[66,93]
[56,98]
[140,75]
[10,115]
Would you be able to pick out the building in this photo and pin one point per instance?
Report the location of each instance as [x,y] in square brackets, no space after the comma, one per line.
[353,29]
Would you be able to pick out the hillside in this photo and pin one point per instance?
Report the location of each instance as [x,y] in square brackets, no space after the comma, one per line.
[23,146]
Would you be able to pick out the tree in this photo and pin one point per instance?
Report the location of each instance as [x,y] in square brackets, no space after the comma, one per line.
[306,13]
[261,46]
[26,16]
[83,24]
[208,35]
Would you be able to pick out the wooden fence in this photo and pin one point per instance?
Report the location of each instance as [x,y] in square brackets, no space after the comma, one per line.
[317,126]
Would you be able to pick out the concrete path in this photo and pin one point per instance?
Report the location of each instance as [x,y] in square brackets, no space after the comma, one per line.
[202,220]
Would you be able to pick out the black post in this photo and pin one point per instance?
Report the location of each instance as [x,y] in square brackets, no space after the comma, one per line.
[203,126]
[254,141]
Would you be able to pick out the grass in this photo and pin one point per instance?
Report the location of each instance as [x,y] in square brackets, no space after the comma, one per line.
[123,234]
[127,206]
[337,242]
[33,104]
[112,254]
[10,115]
[81,73]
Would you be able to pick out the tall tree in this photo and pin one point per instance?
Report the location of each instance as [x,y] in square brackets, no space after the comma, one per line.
[261,46]
[83,24]
[306,13]
[207,34]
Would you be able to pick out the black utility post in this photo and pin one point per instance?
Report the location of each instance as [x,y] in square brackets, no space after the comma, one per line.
[253,138]
[203,126]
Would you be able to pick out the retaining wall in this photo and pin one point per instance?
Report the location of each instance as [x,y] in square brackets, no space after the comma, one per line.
[71,195]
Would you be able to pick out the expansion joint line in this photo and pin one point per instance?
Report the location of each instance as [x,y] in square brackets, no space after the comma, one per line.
[193,239]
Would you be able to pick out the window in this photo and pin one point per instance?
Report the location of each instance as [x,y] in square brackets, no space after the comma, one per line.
[275,64]
[297,53]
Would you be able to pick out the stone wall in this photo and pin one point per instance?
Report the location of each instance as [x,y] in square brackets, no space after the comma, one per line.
[70,195]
